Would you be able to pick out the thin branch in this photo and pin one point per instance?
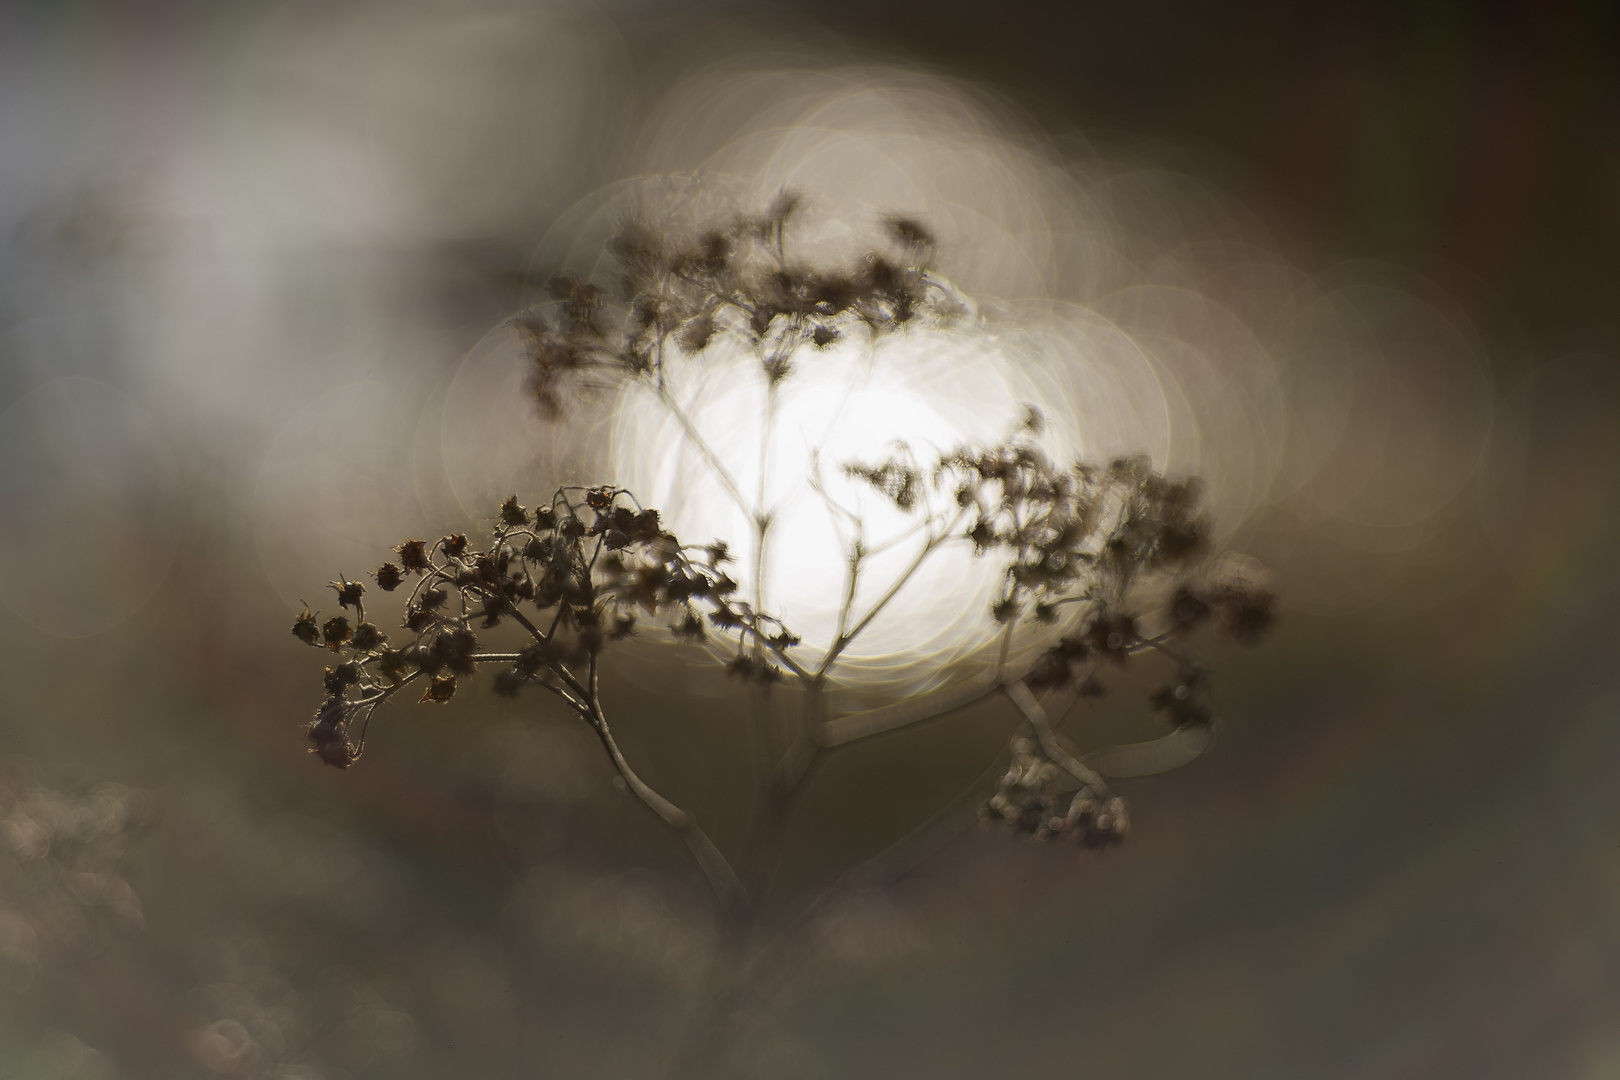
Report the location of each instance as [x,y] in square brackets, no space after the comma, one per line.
[900,537]
[695,437]
[721,877]
[852,579]
[568,699]
[545,639]
[761,518]
[762,525]
[371,704]
[835,510]
[1006,649]
[843,641]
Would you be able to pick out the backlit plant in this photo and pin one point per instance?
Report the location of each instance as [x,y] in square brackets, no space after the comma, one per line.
[1099,561]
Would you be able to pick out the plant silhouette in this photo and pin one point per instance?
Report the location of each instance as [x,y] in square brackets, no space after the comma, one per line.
[1105,561]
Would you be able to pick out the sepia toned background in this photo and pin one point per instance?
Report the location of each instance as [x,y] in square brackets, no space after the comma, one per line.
[253,261]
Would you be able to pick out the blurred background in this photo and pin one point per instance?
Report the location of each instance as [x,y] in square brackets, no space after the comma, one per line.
[1359,270]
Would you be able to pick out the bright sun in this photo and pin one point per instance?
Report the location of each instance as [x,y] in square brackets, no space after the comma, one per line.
[930,391]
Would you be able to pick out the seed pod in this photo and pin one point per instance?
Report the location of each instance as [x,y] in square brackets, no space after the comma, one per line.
[341,677]
[305,629]
[413,556]
[394,663]
[512,514]
[366,637]
[645,526]
[441,690]
[348,592]
[326,731]
[335,631]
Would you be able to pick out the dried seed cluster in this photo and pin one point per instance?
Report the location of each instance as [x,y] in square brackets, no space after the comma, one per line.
[1097,550]
[574,574]
[736,280]
[1032,796]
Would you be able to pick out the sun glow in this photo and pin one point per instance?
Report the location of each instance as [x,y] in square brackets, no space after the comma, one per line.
[740,457]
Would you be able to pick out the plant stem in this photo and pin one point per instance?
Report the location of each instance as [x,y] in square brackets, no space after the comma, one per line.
[1035,713]
[782,792]
[723,880]
[695,437]
[931,545]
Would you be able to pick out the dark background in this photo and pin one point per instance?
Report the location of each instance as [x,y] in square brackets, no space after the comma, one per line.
[1401,859]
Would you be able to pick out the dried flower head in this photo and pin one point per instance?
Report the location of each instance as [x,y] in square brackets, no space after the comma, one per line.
[1099,562]
[348,592]
[413,556]
[335,631]
[306,629]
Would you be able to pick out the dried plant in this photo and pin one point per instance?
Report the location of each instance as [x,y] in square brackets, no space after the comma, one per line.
[1105,561]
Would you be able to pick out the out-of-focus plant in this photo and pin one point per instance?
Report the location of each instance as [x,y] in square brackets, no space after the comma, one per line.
[62,863]
[1104,561]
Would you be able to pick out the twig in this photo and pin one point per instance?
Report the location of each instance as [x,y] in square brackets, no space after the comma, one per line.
[843,641]
[696,439]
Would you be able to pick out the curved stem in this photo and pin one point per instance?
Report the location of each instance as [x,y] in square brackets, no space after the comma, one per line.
[1035,713]
[722,878]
